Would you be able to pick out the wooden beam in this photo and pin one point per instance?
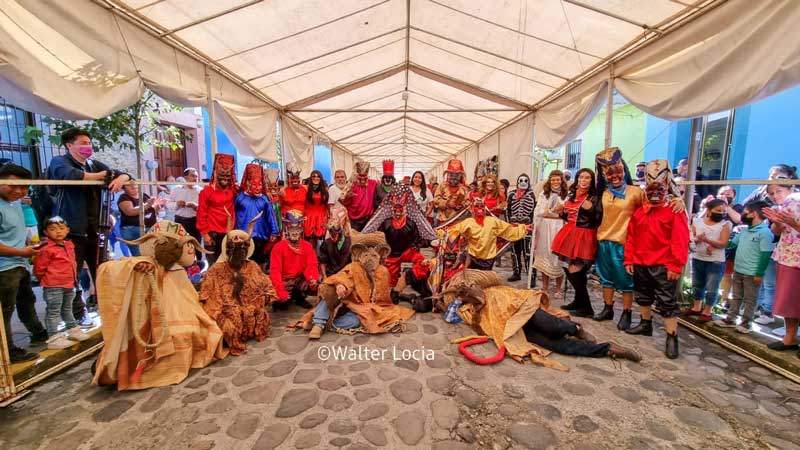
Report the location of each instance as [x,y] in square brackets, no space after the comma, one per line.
[468,88]
[396,119]
[440,130]
[339,90]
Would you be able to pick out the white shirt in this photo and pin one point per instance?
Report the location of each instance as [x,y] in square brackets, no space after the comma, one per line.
[422,202]
[188,194]
[334,192]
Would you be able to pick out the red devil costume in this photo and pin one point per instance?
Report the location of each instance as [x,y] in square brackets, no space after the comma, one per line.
[359,198]
[216,204]
[293,264]
[405,227]
[387,182]
[294,195]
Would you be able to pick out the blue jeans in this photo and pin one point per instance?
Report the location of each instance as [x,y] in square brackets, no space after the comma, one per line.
[59,307]
[130,233]
[112,240]
[346,321]
[706,277]
[767,290]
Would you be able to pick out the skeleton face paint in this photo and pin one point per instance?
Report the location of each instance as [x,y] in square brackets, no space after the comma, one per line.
[656,193]
[523,182]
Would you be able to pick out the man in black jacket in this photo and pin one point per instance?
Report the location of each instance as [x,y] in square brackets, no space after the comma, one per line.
[80,205]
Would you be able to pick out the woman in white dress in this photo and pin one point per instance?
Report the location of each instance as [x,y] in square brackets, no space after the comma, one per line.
[421,193]
[547,224]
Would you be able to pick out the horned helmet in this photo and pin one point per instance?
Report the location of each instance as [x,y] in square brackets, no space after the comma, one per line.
[362,172]
[224,171]
[293,175]
[169,243]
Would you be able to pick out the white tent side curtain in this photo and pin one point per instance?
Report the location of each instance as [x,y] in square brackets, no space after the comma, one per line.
[77,60]
[337,158]
[299,142]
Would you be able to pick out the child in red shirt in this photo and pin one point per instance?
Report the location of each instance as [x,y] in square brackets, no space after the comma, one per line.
[656,251]
[56,270]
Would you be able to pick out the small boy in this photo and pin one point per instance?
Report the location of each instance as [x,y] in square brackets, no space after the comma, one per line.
[15,279]
[753,249]
[57,272]
[656,251]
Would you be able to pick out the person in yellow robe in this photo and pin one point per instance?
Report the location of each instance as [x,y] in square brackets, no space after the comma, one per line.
[481,233]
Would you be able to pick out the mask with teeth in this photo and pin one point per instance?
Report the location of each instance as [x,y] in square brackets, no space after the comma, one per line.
[523,182]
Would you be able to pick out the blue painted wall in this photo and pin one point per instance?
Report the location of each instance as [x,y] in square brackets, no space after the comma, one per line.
[224,145]
[764,134]
[322,161]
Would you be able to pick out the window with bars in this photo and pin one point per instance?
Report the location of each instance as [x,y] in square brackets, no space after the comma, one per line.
[573,155]
[13,143]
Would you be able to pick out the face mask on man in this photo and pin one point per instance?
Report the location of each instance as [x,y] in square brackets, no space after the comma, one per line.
[85,151]
[640,174]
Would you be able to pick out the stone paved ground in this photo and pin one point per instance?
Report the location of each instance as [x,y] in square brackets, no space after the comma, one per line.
[281,396]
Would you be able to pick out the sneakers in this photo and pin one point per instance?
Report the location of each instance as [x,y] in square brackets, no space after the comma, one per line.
[743,328]
[724,323]
[86,321]
[19,355]
[76,334]
[59,341]
[765,320]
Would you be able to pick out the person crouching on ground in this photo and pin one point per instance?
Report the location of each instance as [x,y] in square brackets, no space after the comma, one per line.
[656,251]
[57,272]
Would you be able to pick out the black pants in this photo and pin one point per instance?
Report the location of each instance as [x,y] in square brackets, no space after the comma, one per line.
[650,285]
[550,332]
[190,225]
[259,253]
[217,238]
[480,264]
[85,252]
[419,285]
[359,224]
[16,291]
[579,281]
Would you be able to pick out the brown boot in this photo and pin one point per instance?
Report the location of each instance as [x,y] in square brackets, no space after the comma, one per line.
[620,352]
[584,335]
[315,332]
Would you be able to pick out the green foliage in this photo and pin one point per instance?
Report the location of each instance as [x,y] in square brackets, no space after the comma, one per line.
[132,128]
[32,134]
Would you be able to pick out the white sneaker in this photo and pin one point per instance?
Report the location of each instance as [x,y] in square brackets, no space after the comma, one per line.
[765,320]
[87,322]
[58,342]
[76,334]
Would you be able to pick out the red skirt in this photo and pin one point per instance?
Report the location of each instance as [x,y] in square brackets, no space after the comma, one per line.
[573,243]
[316,216]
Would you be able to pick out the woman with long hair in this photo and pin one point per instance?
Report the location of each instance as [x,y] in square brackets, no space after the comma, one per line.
[421,193]
[316,208]
[576,243]
[785,219]
[547,224]
[776,172]
[489,191]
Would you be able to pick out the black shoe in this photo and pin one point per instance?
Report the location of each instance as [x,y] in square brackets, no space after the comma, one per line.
[571,306]
[395,296]
[606,314]
[583,312]
[645,328]
[671,347]
[620,352]
[624,320]
[39,338]
[514,277]
[303,303]
[91,303]
[780,346]
[19,355]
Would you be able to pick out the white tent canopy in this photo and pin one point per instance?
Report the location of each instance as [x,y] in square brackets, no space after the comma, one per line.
[417,81]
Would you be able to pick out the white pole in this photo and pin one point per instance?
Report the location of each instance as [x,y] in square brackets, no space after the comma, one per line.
[212,122]
[610,106]
[533,233]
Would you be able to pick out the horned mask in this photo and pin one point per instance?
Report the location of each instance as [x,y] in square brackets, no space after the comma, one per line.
[169,243]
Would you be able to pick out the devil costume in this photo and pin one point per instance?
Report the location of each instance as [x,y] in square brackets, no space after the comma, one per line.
[294,195]
[293,264]
[521,204]
[387,182]
[481,233]
[359,195]
[253,202]
[235,292]
[451,197]
[405,227]
[216,202]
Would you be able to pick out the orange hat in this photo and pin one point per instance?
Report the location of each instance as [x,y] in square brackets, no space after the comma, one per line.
[455,165]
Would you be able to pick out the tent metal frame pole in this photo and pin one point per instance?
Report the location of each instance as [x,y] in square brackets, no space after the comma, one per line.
[533,232]
[212,119]
[407,111]
[610,108]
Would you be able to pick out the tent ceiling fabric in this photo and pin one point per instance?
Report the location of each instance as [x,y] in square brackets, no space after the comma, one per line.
[415,80]
[406,60]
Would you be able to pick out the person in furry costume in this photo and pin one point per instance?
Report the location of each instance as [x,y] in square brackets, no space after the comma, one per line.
[235,292]
[154,328]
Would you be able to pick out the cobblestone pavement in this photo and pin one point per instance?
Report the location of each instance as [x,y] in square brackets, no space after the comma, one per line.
[280,395]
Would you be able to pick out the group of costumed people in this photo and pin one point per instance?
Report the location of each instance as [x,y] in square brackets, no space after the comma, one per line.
[157,326]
